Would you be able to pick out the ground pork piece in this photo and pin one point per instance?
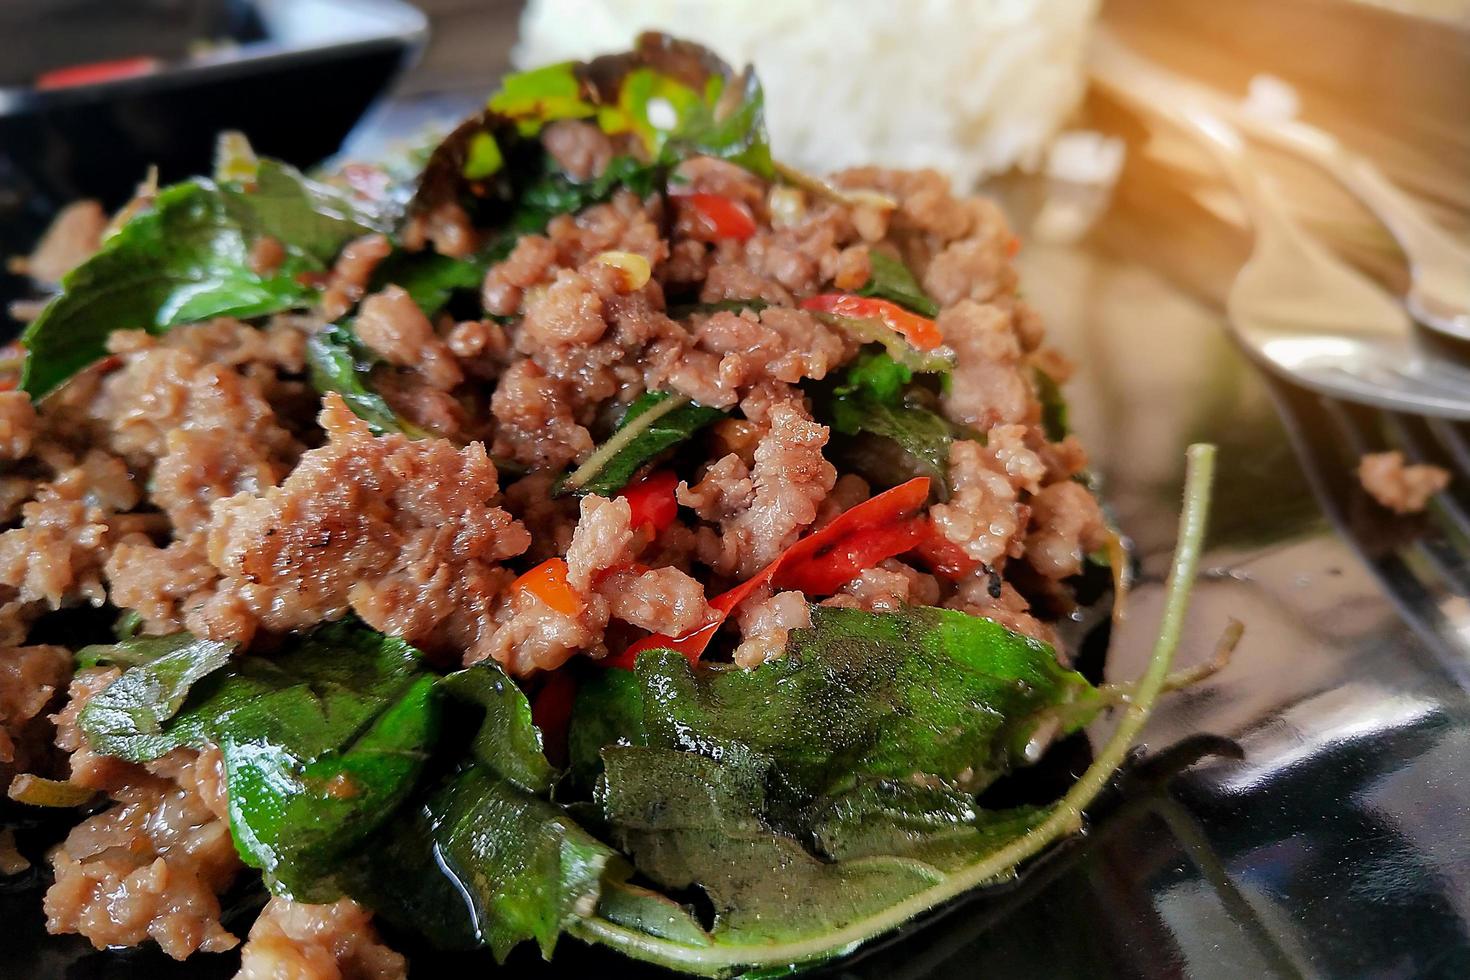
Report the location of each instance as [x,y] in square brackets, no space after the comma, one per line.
[150,867]
[280,345]
[74,235]
[696,374]
[1402,488]
[208,430]
[351,272]
[988,385]
[624,224]
[407,533]
[534,413]
[31,678]
[661,600]
[849,491]
[392,324]
[603,540]
[800,257]
[890,586]
[569,311]
[978,266]
[731,280]
[984,515]
[724,490]
[294,941]
[57,553]
[985,594]
[1063,460]
[532,636]
[782,344]
[789,480]
[581,149]
[1066,525]
[711,175]
[18,425]
[1010,452]
[160,584]
[266,256]
[532,261]
[447,227]
[765,621]
[86,767]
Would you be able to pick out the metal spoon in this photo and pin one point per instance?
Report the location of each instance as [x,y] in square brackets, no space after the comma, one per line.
[1294,305]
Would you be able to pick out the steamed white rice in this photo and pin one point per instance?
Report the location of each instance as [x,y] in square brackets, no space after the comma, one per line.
[969,87]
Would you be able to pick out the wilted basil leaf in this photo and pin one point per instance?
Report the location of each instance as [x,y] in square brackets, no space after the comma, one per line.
[656,422]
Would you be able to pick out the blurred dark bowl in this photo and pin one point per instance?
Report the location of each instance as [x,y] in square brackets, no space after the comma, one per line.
[294,75]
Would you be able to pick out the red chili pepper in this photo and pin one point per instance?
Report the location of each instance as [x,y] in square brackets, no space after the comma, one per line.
[917,330]
[652,501]
[548,582]
[97,71]
[722,217]
[943,556]
[878,528]
[551,710]
[833,568]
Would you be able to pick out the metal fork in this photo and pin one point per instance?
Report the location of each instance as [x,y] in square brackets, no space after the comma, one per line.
[1294,305]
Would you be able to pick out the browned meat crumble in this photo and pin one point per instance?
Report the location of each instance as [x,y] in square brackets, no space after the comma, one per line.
[1401,487]
[196,479]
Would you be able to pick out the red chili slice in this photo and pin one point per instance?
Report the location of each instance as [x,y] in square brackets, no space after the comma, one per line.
[653,502]
[878,528]
[722,217]
[917,330]
[551,710]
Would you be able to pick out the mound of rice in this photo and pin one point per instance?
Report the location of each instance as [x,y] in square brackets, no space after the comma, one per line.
[968,87]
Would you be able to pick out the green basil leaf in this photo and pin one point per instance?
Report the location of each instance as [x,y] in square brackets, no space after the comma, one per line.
[916,441]
[320,744]
[508,743]
[337,361]
[675,98]
[858,696]
[686,819]
[1054,419]
[307,217]
[430,279]
[877,376]
[187,259]
[555,193]
[890,279]
[485,863]
[656,422]
[128,717]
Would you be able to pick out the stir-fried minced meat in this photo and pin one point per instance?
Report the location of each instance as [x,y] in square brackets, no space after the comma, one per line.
[152,865]
[1399,486]
[408,534]
[17,425]
[198,479]
[293,941]
[31,678]
[1067,526]
[392,324]
[57,553]
[765,622]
